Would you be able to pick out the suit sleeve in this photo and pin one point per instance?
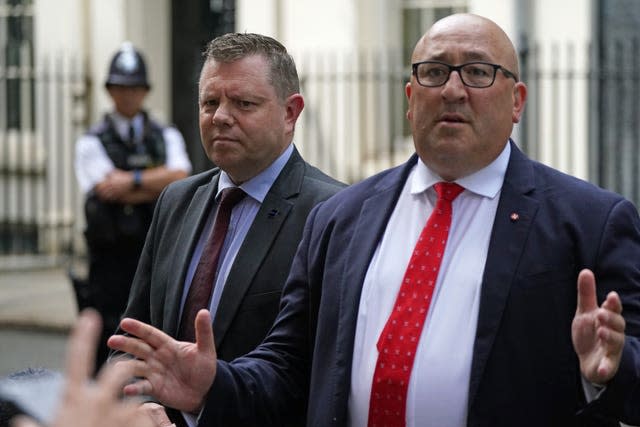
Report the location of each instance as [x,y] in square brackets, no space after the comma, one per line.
[269,386]
[619,270]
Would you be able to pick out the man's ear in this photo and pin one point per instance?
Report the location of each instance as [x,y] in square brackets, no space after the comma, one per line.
[407,91]
[519,98]
[294,105]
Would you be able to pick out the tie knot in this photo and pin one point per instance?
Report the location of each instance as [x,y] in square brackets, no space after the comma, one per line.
[231,196]
[448,190]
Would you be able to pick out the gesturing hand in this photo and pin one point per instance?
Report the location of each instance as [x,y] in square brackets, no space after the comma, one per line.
[597,332]
[178,374]
[87,404]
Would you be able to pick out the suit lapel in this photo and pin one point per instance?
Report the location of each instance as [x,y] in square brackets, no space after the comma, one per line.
[369,229]
[191,228]
[514,217]
[264,230]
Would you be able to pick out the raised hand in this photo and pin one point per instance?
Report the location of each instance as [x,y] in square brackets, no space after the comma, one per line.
[176,373]
[87,404]
[597,332]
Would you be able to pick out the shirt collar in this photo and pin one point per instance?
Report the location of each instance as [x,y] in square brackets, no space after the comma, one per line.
[486,182]
[258,186]
[122,124]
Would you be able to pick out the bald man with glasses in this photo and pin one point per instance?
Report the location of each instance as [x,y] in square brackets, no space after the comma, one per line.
[470,286]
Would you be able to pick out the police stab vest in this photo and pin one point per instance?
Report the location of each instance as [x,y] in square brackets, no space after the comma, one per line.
[113,225]
[126,155]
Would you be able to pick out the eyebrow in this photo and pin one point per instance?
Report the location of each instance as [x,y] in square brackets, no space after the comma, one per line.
[469,56]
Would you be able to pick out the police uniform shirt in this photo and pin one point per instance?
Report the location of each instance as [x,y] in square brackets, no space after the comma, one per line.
[92,164]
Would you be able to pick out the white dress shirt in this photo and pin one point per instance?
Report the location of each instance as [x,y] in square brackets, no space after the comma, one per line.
[92,164]
[439,383]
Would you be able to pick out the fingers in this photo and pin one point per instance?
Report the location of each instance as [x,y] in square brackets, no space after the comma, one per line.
[610,332]
[612,344]
[133,370]
[148,339]
[112,377]
[157,413]
[131,345]
[137,368]
[610,323]
[138,388]
[609,320]
[613,302]
[23,421]
[611,338]
[153,336]
[587,298]
[597,331]
[586,292]
[81,348]
[204,332]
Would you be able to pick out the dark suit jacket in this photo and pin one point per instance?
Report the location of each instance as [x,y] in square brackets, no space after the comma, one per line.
[250,298]
[524,369]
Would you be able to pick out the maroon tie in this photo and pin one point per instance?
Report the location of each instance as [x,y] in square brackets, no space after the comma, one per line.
[399,339]
[204,277]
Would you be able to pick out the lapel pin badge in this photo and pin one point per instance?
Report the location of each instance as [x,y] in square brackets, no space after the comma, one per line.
[514,217]
[273,213]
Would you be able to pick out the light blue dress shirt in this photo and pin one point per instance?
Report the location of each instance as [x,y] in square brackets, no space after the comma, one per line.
[242,217]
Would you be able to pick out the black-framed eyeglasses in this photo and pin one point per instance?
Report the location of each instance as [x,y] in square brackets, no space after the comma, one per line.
[472,74]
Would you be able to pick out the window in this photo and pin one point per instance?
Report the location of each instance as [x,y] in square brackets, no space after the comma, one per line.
[417,17]
[16,48]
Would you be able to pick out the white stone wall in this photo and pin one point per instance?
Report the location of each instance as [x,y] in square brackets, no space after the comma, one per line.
[347,26]
[94,29]
[560,31]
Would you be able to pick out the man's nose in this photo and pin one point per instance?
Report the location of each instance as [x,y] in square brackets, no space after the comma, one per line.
[454,88]
[223,115]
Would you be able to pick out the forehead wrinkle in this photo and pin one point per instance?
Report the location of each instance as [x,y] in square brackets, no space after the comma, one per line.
[469,37]
[234,79]
[467,56]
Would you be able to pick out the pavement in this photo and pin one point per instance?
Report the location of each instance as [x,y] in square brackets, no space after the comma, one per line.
[37,299]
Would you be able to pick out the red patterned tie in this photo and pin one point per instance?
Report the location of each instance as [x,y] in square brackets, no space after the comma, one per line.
[399,339]
[203,279]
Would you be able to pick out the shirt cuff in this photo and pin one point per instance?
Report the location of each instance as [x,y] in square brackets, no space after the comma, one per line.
[191,419]
[592,391]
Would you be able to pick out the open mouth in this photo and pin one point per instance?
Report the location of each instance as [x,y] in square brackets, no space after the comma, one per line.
[452,118]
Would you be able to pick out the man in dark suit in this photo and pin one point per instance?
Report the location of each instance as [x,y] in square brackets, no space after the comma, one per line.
[514,331]
[249,103]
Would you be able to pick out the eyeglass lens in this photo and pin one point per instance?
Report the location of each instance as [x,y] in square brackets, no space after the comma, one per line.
[472,74]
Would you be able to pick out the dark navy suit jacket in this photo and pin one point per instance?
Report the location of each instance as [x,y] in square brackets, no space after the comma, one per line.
[524,369]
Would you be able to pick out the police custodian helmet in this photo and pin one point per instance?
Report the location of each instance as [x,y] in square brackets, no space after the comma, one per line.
[127,68]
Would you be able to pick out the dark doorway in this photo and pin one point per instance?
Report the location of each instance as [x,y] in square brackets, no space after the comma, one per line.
[193,24]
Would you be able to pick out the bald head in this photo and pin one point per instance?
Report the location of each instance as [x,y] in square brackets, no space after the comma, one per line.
[459,129]
[479,33]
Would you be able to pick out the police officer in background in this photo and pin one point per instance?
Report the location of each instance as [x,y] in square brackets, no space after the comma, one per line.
[122,164]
